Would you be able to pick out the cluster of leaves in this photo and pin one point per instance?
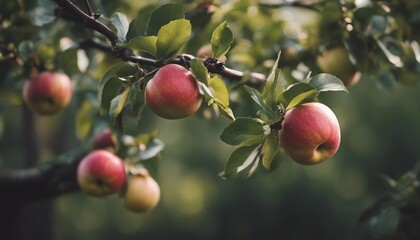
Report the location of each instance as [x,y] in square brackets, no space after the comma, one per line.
[396,214]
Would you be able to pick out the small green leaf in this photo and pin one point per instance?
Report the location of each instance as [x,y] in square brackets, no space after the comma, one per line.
[118,103]
[137,26]
[172,37]
[220,91]
[273,86]
[240,159]
[221,40]
[154,147]
[162,16]
[226,111]
[298,93]
[144,44]
[326,82]
[120,23]
[243,131]
[199,70]
[84,121]
[270,149]
[385,224]
[258,98]
[110,84]
[26,49]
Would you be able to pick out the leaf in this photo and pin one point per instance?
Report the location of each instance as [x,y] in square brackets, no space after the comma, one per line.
[154,147]
[226,111]
[325,82]
[270,149]
[208,94]
[26,49]
[118,103]
[137,26]
[240,159]
[172,37]
[110,84]
[120,23]
[298,93]
[220,91]
[199,70]
[384,225]
[162,16]
[84,121]
[258,98]
[144,44]
[273,87]
[221,40]
[244,132]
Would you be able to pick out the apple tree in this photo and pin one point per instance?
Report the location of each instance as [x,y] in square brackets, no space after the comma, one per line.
[262,68]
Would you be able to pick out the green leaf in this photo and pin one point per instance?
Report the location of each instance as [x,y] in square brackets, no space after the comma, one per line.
[110,84]
[120,23]
[298,93]
[26,49]
[172,37]
[118,103]
[221,40]
[385,224]
[270,149]
[220,91]
[258,98]
[325,82]
[84,118]
[137,26]
[154,147]
[144,44]
[240,159]
[226,111]
[162,16]
[244,132]
[199,70]
[273,87]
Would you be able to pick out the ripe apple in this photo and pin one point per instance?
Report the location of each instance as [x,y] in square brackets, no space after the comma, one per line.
[173,92]
[336,61]
[48,92]
[142,193]
[310,133]
[104,139]
[101,173]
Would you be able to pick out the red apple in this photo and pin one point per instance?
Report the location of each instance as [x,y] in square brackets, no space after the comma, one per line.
[48,92]
[173,92]
[310,133]
[104,139]
[336,61]
[101,173]
[142,193]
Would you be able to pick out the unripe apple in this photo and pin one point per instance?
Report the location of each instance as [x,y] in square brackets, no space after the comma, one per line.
[142,193]
[101,173]
[173,92]
[104,139]
[310,133]
[48,92]
[336,61]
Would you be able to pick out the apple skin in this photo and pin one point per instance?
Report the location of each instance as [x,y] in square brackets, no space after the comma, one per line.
[336,61]
[48,92]
[310,133]
[104,139]
[173,92]
[142,193]
[101,173]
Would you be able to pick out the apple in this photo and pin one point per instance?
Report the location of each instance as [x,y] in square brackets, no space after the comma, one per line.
[101,173]
[48,92]
[336,61]
[142,193]
[173,92]
[104,139]
[310,133]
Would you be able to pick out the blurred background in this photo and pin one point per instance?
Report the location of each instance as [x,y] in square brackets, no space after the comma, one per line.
[379,124]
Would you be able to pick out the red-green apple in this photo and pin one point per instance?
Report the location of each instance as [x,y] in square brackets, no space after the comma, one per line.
[101,173]
[310,133]
[336,61]
[173,92]
[104,139]
[48,92]
[142,193]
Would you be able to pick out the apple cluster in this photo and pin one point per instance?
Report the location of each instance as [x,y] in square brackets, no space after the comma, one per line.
[102,173]
[310,133]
